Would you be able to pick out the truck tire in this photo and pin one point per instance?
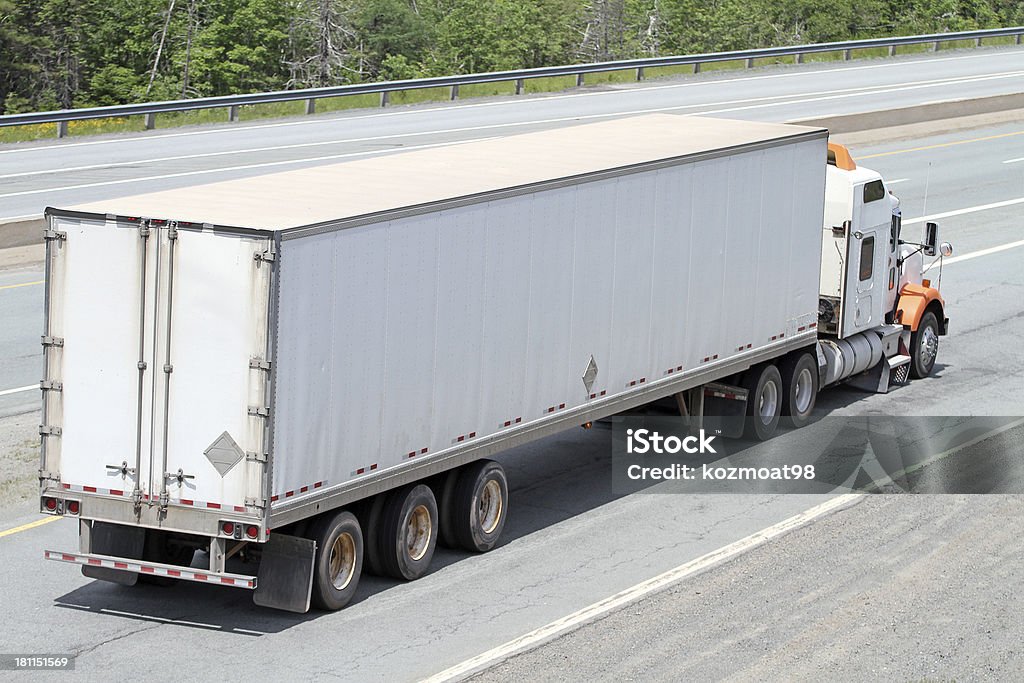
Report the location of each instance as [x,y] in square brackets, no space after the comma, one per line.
[480,506]
[764,403]
[339,560]
[924,346]
[408,532]
[369,515]
[799,389]
[446,520]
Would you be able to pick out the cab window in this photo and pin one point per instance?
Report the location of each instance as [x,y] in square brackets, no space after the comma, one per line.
[873,191]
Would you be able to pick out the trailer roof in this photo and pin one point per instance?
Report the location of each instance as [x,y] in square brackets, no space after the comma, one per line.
[337,191]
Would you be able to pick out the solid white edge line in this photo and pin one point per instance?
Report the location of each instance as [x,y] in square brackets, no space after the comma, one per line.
[897,180]
[1013,161]
[8,392]
[640,590]
[537,96]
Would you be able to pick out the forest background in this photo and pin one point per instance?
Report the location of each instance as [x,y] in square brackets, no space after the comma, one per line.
[58,54]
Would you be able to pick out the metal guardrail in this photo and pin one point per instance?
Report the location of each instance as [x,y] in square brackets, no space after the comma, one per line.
[385,88]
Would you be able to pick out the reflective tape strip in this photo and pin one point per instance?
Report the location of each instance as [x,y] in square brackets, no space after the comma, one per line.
[185,573]
[311,487]
[509,423]
[413,454]
[121,493]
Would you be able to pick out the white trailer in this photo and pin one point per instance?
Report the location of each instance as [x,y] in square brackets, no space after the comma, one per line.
[333,352]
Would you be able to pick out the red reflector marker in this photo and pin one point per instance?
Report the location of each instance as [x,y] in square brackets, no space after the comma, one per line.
[73,507]
[228,528]
[50,503]
[252,531]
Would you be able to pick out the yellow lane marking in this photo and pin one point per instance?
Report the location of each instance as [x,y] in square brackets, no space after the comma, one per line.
[23,284]
[941,144]
[30,525]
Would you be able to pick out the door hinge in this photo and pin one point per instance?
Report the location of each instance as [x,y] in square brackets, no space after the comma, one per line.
[253,456]
[51,385]
[259,364]
[49,430]
[267,255]
[51,234]
[52,341]
[260,503]
[259,411]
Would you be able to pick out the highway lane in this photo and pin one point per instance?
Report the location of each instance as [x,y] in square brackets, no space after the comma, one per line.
[33,176]
[572,542]
[21,310]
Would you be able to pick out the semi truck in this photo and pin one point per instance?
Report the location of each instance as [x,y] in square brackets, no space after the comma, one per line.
[311,370]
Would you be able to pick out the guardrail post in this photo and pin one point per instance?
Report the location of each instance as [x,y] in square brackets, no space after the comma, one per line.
[579,80]
[150,121]
[62,129]
[892,50]
[310,106]
[233,113]
[639,73]
[846,54]
[935,46]
[455,92]
[750,62]
[1018,39]
[977,42]
[696,67]
[799,57]
[520,84]
[385,97]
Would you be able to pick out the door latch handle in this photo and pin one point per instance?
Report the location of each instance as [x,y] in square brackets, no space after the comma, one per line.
[122,468]
[179,476]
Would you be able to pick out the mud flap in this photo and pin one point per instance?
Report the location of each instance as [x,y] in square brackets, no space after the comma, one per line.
[725,409]
[114,540]
[285,577]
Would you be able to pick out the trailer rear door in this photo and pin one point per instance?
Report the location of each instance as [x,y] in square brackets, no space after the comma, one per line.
[157,334]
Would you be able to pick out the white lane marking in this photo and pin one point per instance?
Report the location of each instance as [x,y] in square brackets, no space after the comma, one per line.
[640,590]
[220,170]
[503,125]
[868,90]
[960,212]
[889,479]
[1013,161]
[896,181]
[8,392]
[539,97]
[975,254]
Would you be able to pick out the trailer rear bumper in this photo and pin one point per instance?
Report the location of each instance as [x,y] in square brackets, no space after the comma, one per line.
[153,569]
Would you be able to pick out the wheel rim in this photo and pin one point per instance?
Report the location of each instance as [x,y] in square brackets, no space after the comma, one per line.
[488,507]
[418,532]
[768,402]
[343,561]
[929,346]
[804,391]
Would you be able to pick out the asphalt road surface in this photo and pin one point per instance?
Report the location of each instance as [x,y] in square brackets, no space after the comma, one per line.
[880,587]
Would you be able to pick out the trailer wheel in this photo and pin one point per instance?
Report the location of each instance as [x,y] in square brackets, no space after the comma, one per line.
[924,346]
[764,403]
[408,532]
[339,560]
[800,388]
[480,505]
[369,514]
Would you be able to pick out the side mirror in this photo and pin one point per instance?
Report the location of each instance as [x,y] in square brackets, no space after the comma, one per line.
[931,239]
[946,249]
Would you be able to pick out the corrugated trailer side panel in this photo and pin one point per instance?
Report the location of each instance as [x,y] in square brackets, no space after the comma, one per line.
[406,338]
